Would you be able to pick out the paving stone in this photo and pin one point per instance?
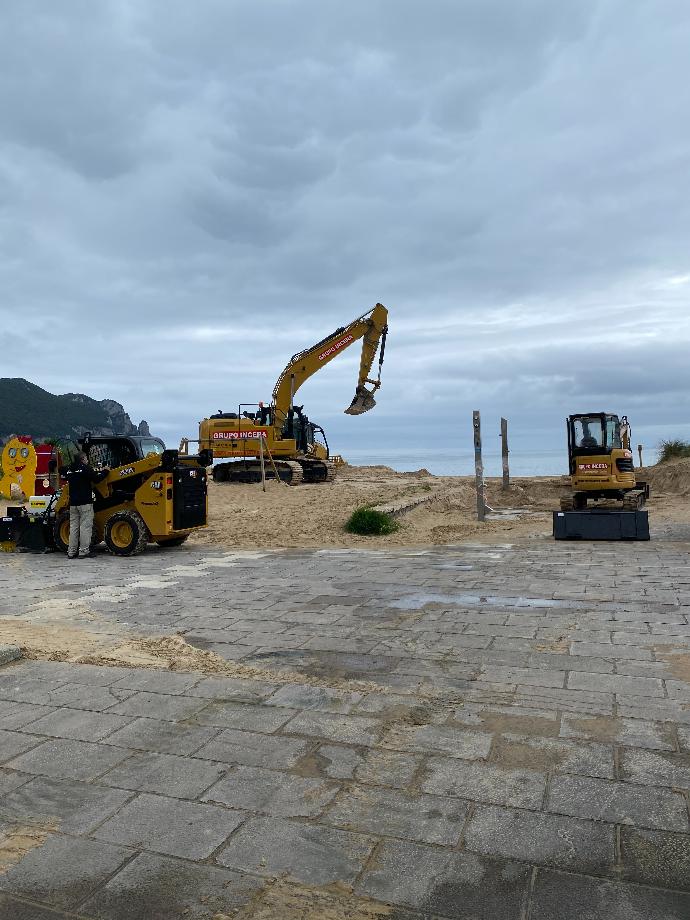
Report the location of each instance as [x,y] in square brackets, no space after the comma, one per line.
[77,724]
[678,689]
[62,871]
[545,659]
[331,760]
[69,672]
[13,743]
[156,888]
[482,782]
[350,729]
[655,858]
[402,707]
[616,683]
[86,696]
[311,854]
[304,696]
[157,681]
[76,807]
[253,749]
[228,688]
[17,715]
[271,792]
[655,710]
[461,886]
[21,910]
[182,777]
[158,706]
[164,737]
[245,716]
[15,688]
[551,754]
[561,896]
[427,818]
[170,826]
[631,732]
[536,677]
[623,803]
[457,742]
[536,837]
[10,780]
[654,769]
[67,759]
[608,650]
[387,768]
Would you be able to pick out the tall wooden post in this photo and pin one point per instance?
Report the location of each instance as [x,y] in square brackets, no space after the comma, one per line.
[504,453]
[478,465]
[639,451]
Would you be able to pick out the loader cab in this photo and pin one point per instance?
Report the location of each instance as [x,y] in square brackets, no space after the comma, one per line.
[592,434]
[116,451]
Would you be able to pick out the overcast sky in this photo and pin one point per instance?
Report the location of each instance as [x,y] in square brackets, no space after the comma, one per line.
[191,192]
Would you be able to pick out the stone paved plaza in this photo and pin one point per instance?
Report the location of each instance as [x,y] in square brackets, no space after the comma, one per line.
[496,732]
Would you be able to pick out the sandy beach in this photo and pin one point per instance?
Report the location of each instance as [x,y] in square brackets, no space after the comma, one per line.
[312,516]
[242,516]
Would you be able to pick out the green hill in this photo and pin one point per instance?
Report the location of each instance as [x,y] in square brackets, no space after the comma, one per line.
[27,409]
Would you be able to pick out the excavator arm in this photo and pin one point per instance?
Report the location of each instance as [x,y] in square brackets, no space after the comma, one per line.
[372,327]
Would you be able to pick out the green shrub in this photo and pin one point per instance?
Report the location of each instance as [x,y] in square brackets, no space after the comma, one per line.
[369,522]
[673,450]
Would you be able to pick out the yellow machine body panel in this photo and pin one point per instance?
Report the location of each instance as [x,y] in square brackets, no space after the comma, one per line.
[597,472]
[238,438]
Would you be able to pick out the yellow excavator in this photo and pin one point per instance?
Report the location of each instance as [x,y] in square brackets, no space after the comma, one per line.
[281,430]
[601,462]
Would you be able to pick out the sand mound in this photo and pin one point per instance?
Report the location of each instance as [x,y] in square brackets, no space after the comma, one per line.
[673,476]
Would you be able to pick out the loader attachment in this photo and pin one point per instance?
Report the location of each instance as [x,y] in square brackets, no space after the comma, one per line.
[363,402]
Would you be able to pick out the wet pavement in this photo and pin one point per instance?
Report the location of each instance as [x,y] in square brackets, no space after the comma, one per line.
[467,732]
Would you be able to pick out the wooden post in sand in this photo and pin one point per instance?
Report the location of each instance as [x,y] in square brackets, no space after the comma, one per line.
[478,465]
[639,453]
[504,454]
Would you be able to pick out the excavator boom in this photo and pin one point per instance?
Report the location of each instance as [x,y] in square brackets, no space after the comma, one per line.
[372,327]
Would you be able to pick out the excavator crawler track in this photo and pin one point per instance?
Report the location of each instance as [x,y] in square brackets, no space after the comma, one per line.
[318,470]
[289,471]
[634,500]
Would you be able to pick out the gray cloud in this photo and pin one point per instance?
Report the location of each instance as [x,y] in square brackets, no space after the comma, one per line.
[189,193]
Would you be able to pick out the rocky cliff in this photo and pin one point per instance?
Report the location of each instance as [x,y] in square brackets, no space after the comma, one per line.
[27,409]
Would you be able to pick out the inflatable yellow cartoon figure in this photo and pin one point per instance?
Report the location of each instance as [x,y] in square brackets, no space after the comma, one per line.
[18,467]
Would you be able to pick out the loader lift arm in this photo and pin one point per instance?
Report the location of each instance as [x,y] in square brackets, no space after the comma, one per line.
[372,327]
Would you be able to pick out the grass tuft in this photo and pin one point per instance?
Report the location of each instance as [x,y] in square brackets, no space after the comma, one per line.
[371,523]
[673,450]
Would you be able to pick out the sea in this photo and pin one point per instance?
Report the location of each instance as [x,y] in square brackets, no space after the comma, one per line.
[461,463]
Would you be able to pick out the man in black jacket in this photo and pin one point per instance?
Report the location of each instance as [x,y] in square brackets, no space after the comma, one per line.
[80,478]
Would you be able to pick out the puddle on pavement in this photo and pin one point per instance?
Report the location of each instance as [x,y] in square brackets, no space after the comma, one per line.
[417,601]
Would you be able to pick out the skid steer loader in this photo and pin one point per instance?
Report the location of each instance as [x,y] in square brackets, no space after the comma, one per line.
[150,495]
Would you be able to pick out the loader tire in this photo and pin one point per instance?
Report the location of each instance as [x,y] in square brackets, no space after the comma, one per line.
[61,531]
[172,541]
[567,503]
[125,534]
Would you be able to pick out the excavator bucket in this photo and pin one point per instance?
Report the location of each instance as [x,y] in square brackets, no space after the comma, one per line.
[363,401]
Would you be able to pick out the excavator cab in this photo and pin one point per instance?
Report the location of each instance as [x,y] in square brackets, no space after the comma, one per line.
[601,463]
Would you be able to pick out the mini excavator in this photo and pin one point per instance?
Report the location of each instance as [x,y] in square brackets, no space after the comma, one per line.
[601,462]
[282,429]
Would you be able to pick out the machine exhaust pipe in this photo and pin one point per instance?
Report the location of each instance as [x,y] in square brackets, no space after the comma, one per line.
[362,402]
